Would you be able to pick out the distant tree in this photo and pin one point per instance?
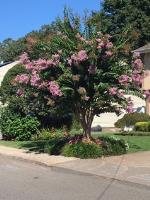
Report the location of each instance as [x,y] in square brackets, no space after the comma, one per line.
[119,17]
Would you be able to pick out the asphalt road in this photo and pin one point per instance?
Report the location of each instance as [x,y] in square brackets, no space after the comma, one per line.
[20,180]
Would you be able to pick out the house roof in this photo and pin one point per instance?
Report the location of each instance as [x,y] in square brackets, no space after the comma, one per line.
[144,49]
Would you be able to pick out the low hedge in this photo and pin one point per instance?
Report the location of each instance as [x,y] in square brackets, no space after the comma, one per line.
[82,150]
[133,133]
[113,146]
[142,126]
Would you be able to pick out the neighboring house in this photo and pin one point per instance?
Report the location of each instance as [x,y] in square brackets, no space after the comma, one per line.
[145,53]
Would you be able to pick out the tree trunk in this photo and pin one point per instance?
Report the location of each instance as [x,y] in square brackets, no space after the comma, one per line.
[86,122]
[85,117]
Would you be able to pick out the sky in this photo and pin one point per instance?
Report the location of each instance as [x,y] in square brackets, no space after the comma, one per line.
[19,17]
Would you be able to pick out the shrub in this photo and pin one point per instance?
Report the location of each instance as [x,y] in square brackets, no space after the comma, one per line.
[131,119]
[113,146]
[142,126]
[82,150]
[15,127]
[6,89]
[47,134]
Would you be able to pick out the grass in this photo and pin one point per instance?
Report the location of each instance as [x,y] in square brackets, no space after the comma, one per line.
[136,143]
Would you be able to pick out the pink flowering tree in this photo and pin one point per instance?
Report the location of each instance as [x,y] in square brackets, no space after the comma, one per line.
[85,74]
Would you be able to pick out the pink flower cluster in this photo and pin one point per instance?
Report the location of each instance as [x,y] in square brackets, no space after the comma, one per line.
[114,91]
[35,80]
[129,107]
[124,79]
[81,56]
[24,58]
[23,78]
[54,88]
[138,66]
[40,64]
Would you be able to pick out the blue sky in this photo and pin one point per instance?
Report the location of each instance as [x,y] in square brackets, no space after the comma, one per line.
[18,17]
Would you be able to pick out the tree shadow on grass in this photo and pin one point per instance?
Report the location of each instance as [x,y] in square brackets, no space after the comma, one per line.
[34,146]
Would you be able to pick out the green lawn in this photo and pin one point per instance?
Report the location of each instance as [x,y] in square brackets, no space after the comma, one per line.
[136,143]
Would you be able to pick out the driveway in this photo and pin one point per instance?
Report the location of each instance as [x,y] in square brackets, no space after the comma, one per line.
[20,180]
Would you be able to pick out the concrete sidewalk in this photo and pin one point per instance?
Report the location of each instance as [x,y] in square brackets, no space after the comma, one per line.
[133,168]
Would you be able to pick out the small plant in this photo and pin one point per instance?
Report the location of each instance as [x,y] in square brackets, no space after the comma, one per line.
[113,146]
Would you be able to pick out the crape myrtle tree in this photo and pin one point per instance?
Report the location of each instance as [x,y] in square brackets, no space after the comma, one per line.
[85,75]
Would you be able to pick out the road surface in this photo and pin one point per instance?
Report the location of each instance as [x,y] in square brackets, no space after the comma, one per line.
[21,180]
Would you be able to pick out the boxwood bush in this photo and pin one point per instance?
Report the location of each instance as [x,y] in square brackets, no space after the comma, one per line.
[131,119]
[142,126]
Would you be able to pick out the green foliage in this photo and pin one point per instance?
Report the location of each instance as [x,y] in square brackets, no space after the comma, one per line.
[127,14]
[113,145]
[131,119]
[15,127]
[142,126]
[82,150]
[11,49]
[7,89]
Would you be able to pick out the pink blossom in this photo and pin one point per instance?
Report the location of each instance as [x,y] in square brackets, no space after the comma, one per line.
[108,53]
[20,92]
[54,89]
[129,107]
[23,78]
[30,66]
[24,58]
[35,80]
[124,79]
[113,91]
[138,64]
[82,55]
[137,79]
[109,45]
[40,64]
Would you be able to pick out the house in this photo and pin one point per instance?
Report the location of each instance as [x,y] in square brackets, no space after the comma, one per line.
[145,53]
